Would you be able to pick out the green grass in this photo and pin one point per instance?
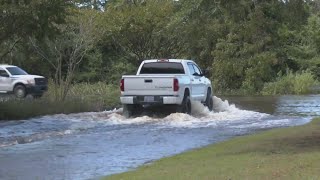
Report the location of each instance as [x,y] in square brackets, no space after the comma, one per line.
[290,153]
[83,97]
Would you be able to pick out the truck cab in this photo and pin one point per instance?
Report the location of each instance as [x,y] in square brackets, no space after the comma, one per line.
[15,80]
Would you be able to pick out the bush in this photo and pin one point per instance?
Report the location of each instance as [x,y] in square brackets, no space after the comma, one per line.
[291,83]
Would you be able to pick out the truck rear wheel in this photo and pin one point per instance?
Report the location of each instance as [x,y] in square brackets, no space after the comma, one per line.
[209,101]
[20,91]
[185,107]
[130,110]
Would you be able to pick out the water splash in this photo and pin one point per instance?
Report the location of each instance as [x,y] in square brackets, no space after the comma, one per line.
[202,117]
[219,105]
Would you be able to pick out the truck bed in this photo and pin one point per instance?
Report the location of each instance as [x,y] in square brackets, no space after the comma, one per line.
[149,85]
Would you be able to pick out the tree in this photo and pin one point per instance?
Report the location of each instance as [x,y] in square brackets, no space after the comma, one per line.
[245,57]
[66,52]
[30,18]
[304,49]
[143,30]
[200,28]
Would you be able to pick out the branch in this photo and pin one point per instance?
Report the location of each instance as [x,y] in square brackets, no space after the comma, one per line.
[10,50]
[41,53]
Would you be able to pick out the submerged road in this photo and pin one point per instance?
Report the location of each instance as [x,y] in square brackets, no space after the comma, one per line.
[91,145]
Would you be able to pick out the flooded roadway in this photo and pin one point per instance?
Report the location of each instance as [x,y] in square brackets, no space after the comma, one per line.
[91,145]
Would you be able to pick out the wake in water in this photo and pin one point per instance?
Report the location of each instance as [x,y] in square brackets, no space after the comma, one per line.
[59,125]
[200,116]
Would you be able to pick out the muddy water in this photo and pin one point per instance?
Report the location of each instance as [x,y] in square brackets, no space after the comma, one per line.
[90,145]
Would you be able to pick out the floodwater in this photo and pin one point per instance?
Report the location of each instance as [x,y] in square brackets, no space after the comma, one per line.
[92,145]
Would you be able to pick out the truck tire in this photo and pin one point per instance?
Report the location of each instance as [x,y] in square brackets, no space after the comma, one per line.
[20,91]
[209,101]
[130,110]
[185,106]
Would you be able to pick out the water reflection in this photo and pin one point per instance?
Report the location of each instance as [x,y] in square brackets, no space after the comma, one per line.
[279,105]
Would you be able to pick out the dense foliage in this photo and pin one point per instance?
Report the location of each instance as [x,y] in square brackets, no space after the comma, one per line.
[246,44]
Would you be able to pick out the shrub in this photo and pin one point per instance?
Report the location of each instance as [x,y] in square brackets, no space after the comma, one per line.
[291,83]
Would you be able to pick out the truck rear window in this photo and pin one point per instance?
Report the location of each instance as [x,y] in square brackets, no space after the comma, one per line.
[162,68]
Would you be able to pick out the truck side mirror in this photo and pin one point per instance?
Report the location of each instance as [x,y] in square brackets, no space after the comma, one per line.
[207,71]
[204,72]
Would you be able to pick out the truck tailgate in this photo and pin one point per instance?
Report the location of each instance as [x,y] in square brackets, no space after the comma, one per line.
[148,85]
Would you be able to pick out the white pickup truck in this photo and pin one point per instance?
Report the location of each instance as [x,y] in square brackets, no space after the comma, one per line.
[15,80]
[165,82]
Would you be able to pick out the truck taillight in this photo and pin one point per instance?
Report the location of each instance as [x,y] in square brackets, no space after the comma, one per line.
[175,85]
[122,85]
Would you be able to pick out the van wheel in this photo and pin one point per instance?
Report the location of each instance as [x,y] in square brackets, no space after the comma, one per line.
[209,101]
[20,91]
[185,107]
[130,110]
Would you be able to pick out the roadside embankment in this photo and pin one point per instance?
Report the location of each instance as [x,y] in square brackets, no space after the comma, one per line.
[82,97]
[288,153]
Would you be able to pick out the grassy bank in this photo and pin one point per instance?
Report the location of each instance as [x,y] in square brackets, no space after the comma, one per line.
[297,83]
[82,97]
[290,153]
